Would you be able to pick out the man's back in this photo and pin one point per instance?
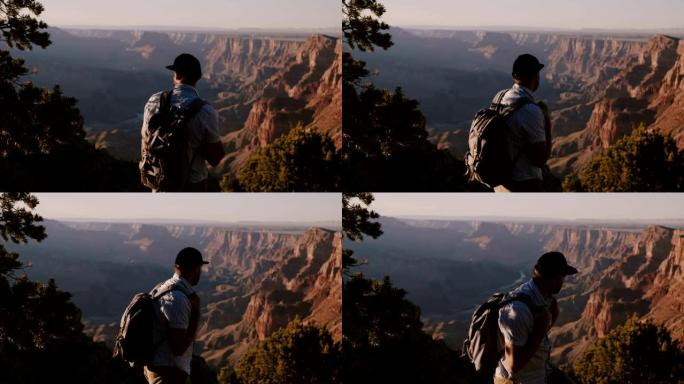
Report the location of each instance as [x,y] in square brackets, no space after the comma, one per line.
[202,128]
[526,126]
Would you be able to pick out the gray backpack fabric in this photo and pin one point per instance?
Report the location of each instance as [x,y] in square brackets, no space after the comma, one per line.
[488,160]
[164,166]
[484,344]
[135,341]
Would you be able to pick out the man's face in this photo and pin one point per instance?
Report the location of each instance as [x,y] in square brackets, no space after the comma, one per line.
[534,84]
[194,276]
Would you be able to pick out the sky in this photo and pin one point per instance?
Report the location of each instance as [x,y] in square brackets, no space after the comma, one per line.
[230,14]
[566,14]
[221,207]
[567,206]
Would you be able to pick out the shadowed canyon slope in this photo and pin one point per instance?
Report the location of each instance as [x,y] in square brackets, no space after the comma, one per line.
[449,267]
[599,87]
[261,85]
[258,279]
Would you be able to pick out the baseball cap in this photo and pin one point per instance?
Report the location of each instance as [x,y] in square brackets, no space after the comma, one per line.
[186,64]
[554,264]
[189,257]
[526,65]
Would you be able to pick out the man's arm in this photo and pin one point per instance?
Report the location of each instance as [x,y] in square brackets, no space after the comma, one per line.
[214,153]
[537,126]
[180,339]
[516,357]
[212,147]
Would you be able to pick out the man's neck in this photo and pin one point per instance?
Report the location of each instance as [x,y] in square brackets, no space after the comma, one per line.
[542,290]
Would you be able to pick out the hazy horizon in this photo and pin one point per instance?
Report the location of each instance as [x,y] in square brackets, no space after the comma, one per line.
[640,207]
[206,14]
[538,14]
[224,208]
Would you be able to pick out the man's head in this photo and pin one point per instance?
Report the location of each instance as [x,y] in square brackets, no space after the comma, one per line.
[526,71]
[186,70]
[189,264]
[550,271]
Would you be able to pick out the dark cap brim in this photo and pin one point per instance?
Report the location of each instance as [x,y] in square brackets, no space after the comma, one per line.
[570,270]
[170,67]
[206,262]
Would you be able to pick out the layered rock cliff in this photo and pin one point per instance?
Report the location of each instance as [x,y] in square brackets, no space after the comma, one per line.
[305,282]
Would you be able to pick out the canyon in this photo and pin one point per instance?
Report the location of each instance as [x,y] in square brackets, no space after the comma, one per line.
[599,86]
[262,84]
[448,267]
[258,279]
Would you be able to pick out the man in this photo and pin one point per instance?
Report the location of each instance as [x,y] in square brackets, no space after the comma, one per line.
[526,344]
[176,320]
[529,139]
[203,141]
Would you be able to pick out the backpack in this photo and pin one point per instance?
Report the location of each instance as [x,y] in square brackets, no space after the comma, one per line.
[488,160]
[135,340]
[164,166]
[484,344]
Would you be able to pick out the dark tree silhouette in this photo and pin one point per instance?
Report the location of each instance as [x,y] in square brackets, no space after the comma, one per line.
[385,145]
[41,334]
[356,222]
[42,141]
[383,338]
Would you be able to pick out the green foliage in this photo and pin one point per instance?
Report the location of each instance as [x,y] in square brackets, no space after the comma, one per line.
[383,339]
[18,24]
[362,27]
[642,162]
[385,145]
[42,141]
[18,225]
[297,354]
[635,352]
[356,222]
[298,161]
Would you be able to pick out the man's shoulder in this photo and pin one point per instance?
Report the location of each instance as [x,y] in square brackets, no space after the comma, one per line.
[207,109]
[516,310]
[155,99]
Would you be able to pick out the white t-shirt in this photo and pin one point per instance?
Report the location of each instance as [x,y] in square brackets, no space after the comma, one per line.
[526,127]
[516,323]
[172,310]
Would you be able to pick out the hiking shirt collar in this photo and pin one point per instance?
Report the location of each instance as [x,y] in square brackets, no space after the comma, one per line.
[183,88]
[183,284]
[536,294]
[528,92]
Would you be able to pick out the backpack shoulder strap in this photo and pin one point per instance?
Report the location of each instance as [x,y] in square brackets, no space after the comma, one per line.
[193,109]
[165,101]
[156,294]
[525,299]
